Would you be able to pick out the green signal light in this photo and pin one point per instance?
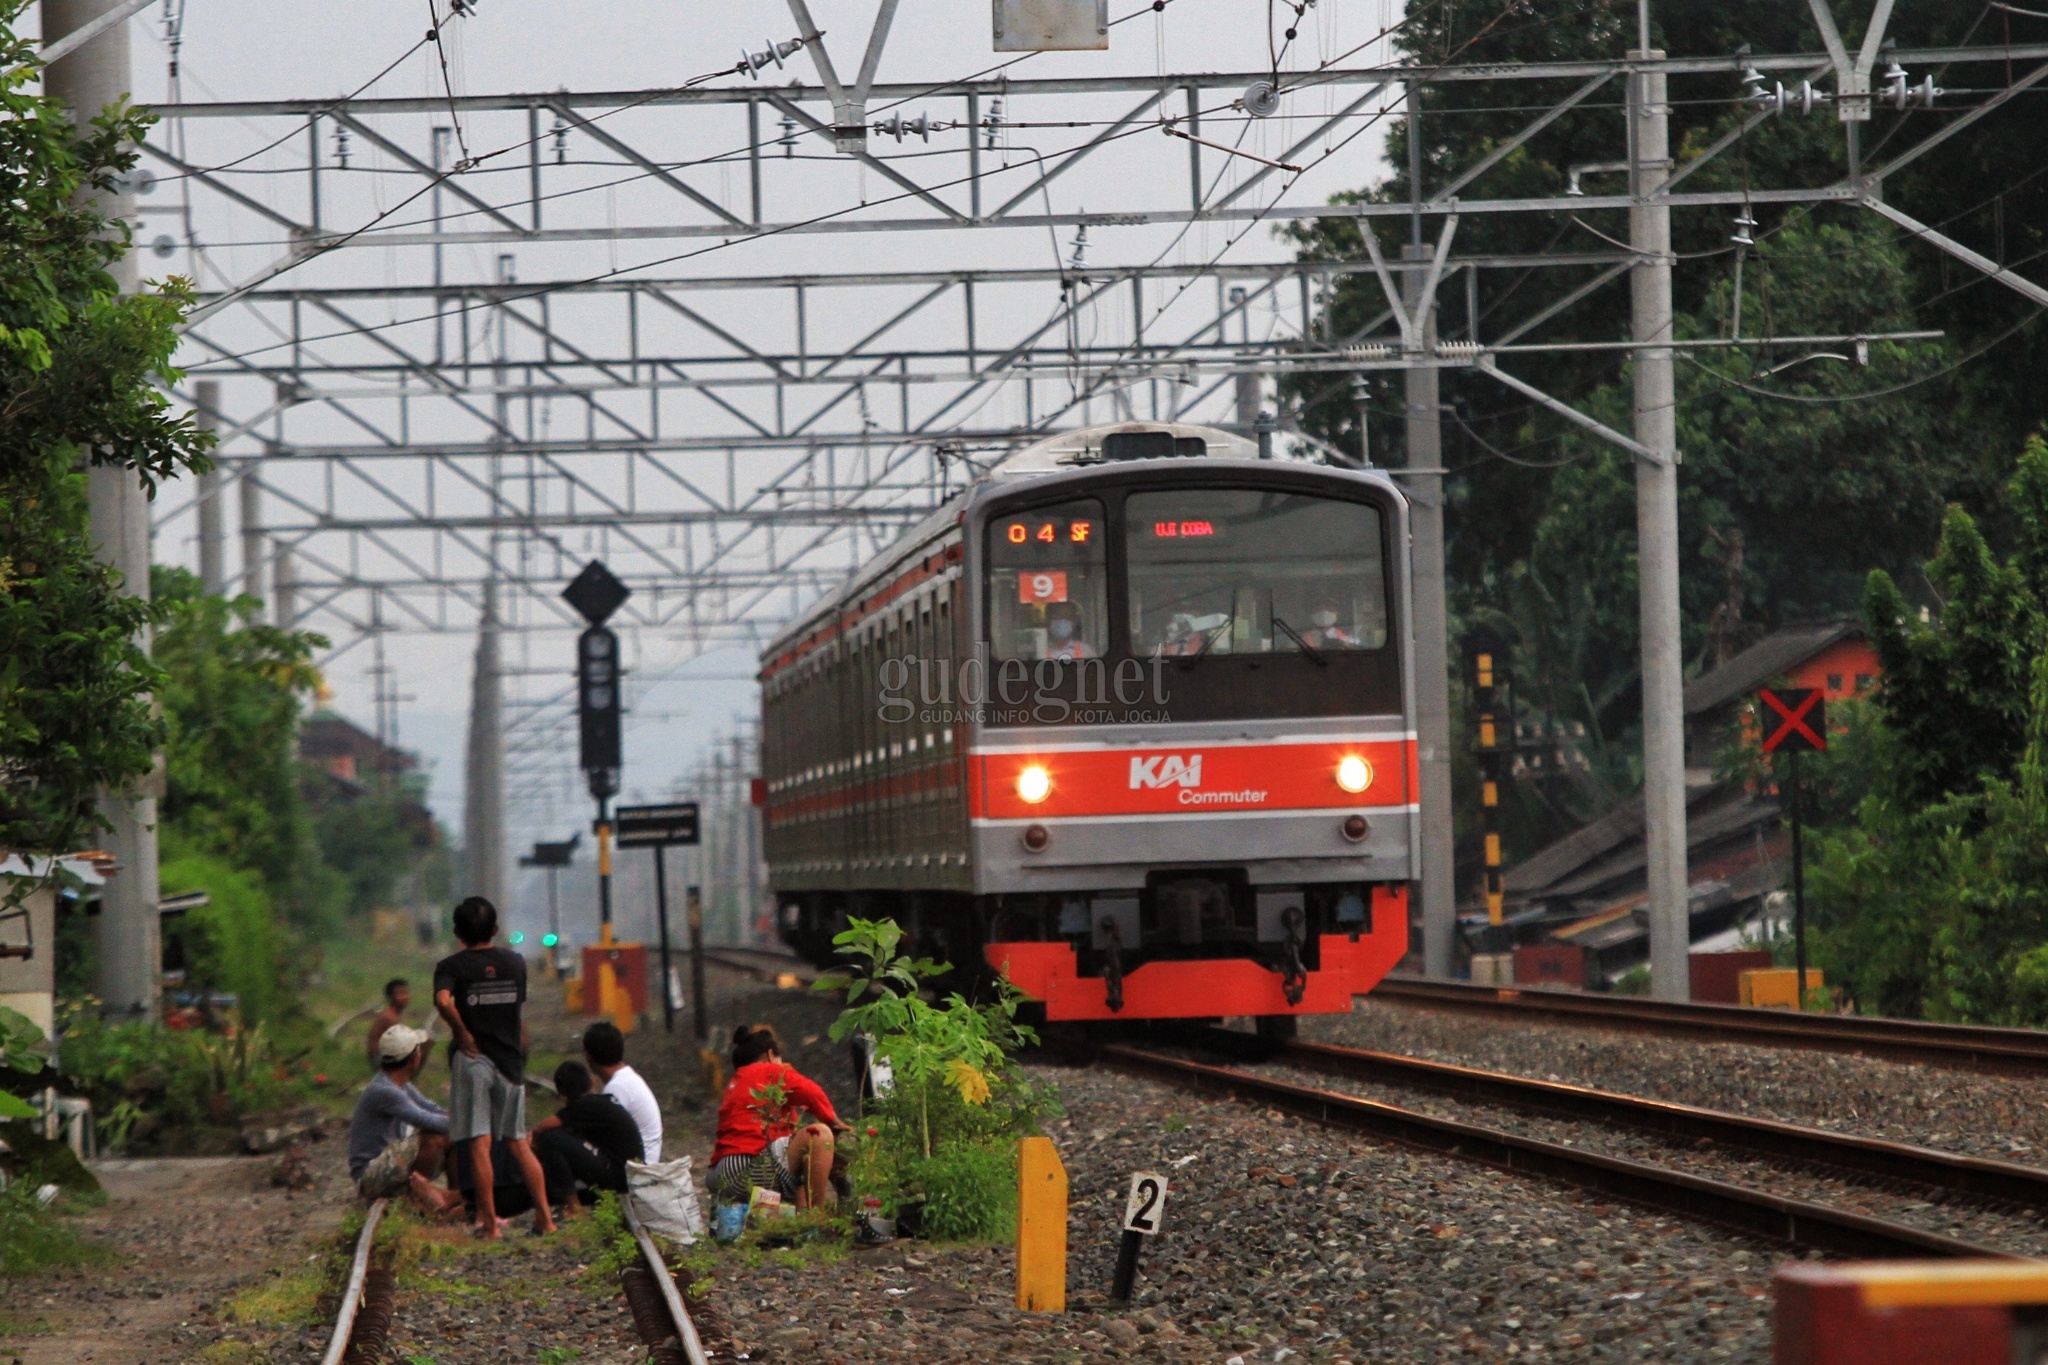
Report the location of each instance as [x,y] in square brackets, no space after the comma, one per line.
[549,940]
[518,937]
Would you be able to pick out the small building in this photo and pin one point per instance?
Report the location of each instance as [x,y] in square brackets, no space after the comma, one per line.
[28,933]
[1833,656]
[348,753]
[1590,888]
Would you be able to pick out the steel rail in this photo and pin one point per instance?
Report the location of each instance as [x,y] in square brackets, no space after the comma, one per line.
[1977,1176]
[679,1315]
[352,1293]
[1756,1212]
[1968,1047]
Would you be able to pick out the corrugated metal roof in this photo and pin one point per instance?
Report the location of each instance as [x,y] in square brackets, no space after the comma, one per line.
[1771,657]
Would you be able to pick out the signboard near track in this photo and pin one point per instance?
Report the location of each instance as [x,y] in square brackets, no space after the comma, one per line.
[1794,719]
[657,826]
[1145,1209]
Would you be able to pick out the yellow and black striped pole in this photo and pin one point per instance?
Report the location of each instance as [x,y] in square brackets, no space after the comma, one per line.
[1489,699]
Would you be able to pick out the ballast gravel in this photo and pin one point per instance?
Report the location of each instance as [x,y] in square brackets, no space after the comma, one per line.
[1995,1225]
[1283,1241]
[1954,1111]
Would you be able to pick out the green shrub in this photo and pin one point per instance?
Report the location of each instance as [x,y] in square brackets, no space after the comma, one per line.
[178,1078]
[232,943]
[949,1123]
[35,1238]
[970,1192]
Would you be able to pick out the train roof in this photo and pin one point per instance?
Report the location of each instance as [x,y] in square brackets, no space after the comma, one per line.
[1060,453]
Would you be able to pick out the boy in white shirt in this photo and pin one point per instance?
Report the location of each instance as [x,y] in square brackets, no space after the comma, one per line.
[604,1047]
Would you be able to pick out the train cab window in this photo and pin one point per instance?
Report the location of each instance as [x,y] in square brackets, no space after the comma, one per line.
[1048,583]
[1251,571]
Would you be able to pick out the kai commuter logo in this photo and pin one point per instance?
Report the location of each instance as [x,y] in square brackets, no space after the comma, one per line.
[1165,770]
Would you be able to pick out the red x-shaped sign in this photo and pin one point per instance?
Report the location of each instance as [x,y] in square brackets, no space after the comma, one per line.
[1795,718]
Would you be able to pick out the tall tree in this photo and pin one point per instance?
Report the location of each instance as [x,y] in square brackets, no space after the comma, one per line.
[232,694]
[1800,474]
[78,367]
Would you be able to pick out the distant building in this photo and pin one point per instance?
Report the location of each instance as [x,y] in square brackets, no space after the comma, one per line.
[345,751]
[1831,655]
[1590,888]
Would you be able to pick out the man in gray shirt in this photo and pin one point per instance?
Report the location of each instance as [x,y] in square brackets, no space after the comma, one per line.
[397,1136]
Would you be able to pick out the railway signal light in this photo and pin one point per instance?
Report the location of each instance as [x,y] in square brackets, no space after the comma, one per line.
[597,708]
[550,940]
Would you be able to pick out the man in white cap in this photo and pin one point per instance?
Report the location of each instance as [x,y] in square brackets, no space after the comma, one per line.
[398,1136]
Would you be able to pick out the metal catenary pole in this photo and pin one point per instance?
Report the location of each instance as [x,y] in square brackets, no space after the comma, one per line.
[699,1007]
[668,1007]
[1656,428]
[1798,882]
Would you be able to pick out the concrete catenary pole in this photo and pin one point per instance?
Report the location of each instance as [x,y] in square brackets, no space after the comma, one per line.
[1424,483]
[1656,426]
[212,535]
[249,495]
[483,824]
[130,951]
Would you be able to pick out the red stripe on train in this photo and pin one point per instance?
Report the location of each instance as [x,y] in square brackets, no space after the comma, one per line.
[1193,779]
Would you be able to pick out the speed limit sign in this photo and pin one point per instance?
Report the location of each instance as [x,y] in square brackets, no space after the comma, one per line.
[1145,1210]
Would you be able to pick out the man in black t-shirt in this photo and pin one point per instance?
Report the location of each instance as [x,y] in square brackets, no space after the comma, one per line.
[589,1140]
[479,992]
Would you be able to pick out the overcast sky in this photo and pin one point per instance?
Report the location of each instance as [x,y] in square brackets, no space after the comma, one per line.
[237,50]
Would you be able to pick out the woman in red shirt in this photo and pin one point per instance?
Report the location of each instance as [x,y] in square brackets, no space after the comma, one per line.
[759,1142]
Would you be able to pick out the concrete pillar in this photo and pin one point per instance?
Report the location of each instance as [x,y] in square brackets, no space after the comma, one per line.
[284,580]
[483,822]
[212,535]
[250,495]
[87,81]
[1656,426]
[1425,486]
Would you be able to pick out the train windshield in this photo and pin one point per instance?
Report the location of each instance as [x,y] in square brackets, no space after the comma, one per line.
[1049,583]
[1218,571]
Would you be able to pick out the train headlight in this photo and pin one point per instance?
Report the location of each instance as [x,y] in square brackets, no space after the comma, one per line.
[1034,784]
[1354,774]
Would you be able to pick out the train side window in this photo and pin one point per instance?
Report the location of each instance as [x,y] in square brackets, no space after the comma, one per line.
[1048,583]
[1242,570]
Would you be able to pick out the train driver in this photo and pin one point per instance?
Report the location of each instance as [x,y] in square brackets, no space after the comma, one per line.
[1324,632]
[1063,633]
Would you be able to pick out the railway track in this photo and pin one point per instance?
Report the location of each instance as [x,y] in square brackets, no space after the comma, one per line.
[362,1323]
[1800,1223]
[1967,1047]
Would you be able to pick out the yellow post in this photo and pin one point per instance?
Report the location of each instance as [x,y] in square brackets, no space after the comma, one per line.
[1041,1227]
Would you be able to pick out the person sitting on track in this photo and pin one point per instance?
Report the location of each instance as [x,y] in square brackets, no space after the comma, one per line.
[397,999]
[759,1143]
[604,1051]
[584,1146]
[397,1136]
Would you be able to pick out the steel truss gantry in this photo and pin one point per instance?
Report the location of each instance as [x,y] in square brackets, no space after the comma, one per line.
[503,404]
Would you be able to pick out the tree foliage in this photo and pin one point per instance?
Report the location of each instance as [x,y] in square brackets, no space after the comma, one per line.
[233,692]
[79,362]
[1931,898]
[1800,475]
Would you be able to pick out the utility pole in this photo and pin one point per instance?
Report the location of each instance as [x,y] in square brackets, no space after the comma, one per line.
[1656,427]
[212,539]
[483,824]
[1424,483]
[130,946]
[249,495]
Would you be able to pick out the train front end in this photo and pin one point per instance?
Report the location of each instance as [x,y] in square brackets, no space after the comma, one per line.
[1191,775]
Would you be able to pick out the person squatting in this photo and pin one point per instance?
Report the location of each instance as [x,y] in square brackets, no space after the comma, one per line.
[399,1140]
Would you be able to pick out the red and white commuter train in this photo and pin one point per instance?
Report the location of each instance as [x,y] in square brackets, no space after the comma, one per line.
[1132,719]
